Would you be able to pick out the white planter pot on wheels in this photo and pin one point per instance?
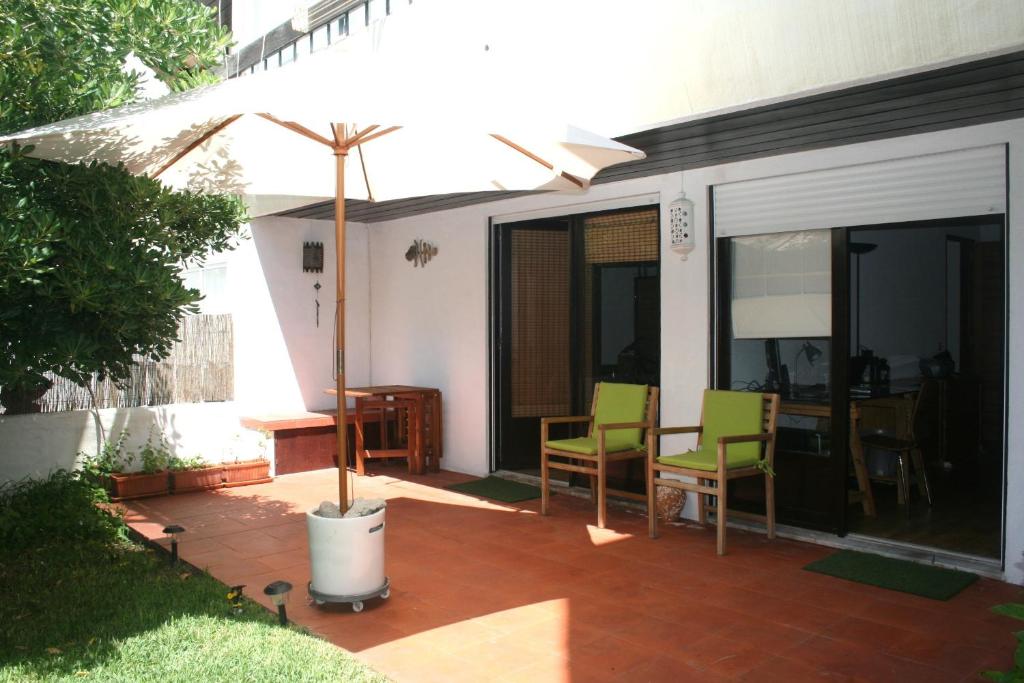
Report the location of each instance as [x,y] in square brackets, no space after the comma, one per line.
[346,559]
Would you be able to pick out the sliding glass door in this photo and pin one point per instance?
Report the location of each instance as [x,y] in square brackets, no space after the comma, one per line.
[577,301]
[777,332]
[886,344]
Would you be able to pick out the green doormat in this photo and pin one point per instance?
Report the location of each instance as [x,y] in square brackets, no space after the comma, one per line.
[927,581]
[497,488]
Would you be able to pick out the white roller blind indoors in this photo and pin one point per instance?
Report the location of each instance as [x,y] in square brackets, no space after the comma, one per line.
[782,285]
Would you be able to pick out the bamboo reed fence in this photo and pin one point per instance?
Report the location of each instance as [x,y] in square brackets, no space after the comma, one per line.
[199,368]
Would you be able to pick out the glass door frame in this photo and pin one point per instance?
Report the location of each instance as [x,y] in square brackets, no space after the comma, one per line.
[925,224]
[720,268]
[720,273]
[498,296]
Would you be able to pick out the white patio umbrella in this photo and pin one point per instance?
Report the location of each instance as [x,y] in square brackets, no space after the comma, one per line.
[402,130]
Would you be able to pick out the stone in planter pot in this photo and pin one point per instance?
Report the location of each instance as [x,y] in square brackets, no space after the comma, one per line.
[125,486]
[247,472]
[198,479]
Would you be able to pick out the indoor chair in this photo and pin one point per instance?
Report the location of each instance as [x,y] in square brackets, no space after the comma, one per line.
[620,414]
[736,438]
[905,445]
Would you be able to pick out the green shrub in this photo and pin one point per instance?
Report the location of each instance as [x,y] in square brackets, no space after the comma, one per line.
[111,458]
[59,509]
[176,464]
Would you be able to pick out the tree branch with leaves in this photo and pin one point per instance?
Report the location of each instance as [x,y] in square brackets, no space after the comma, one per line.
[90,255]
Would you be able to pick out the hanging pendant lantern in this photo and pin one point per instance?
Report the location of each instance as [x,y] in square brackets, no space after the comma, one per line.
[680,222]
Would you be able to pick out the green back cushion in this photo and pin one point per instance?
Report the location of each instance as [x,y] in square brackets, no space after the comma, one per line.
[620,403]
[732,413]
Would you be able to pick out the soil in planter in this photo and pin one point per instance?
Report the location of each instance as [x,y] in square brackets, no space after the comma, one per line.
[204,479]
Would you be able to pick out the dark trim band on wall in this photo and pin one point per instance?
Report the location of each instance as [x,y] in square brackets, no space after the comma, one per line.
[981,91]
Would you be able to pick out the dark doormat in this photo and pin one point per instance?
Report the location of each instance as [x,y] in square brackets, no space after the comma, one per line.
[497,488]
[927,581]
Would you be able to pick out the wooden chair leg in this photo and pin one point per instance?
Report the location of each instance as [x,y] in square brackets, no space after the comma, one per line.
[593,489]
[602,468]
[903,480]
[769,504]
[544,476]
[921,475]
[900,476]
[702,511]
[652,503]
[720,514]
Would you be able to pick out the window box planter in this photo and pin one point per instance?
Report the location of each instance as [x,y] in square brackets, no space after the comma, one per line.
[199,479]
[125,486]
[245,473]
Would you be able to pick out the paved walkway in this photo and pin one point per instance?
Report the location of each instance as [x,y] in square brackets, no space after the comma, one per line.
[489,592]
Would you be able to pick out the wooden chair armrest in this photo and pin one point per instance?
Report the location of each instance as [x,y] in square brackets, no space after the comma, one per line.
[567,419]
[623,425]
[745,437]
[658,431]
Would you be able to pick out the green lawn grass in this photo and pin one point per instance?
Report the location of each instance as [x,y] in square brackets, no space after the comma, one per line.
[111,610]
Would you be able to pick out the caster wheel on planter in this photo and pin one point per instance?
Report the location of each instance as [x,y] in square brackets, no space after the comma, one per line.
[319,602]
[357,606]
[386,594]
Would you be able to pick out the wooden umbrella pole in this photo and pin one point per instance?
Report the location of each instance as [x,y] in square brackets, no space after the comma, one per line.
[339,250]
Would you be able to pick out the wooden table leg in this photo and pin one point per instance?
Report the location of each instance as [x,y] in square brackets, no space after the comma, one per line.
[420,448]
[867,498]
[436,422]
[360,440]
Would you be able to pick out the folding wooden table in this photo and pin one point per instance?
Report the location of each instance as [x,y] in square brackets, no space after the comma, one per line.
[423,406]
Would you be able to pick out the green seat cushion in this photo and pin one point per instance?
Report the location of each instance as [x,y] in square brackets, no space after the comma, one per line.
[726,413]
[587,445]
[617,403]
[707,460]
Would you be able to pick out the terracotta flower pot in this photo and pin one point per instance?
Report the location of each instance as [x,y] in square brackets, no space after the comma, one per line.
[669,503]
[138,485]
[245,473]
[201,479]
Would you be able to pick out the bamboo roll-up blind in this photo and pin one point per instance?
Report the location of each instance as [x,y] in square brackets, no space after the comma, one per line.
[540,383]
[621,237]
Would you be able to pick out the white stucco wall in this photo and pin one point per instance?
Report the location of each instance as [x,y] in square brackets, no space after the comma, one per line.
[617,68]
[283,361]
[250,19]
[722,54]
[429,326]
[35,445]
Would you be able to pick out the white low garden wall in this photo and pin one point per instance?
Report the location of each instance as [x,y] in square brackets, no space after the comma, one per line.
[35,445]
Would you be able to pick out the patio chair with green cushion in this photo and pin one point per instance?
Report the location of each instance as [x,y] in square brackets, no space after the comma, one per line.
[620,415]
[736,438]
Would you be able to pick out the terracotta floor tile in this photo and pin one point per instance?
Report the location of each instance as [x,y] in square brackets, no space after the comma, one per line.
[484,591]
[660,668]
[950,656]
[783,670]
[843,659]
[552,669]
[723,654]
[871,633]
[608,658]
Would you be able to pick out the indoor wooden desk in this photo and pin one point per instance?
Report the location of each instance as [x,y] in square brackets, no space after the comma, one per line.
[425,424]
[889,410]
[860,469]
